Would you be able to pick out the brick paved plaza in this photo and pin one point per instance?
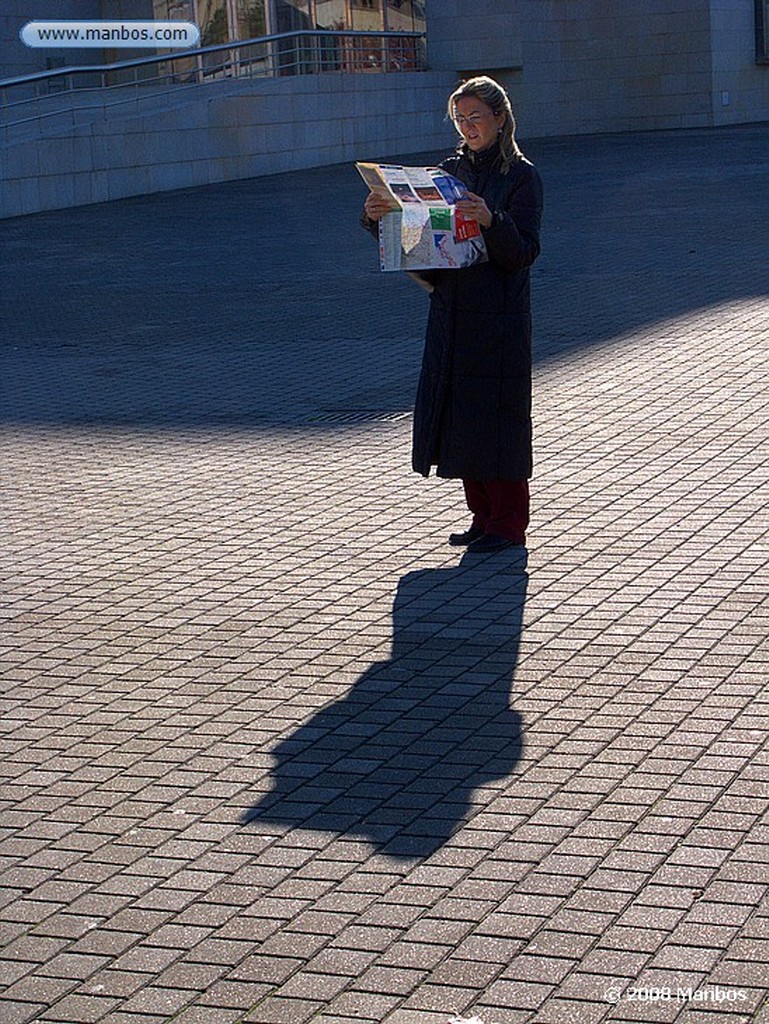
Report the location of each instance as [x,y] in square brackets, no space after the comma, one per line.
[272,752]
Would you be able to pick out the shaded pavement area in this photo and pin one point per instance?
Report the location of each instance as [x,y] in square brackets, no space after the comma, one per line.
[271,750]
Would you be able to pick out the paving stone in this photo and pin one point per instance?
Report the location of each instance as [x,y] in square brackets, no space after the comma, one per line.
[79,1009]
[283,1011]
[133,1018]
[117,983]
[572,1011]
[202,1015]
[20,1012]
[154,999]
[42,991]
[517,995]
[236,994]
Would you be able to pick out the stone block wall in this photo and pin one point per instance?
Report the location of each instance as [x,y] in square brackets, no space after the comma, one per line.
[129,142]
[587,66]
[740,87]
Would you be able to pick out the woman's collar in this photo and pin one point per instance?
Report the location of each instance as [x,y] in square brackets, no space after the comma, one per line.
[485,157]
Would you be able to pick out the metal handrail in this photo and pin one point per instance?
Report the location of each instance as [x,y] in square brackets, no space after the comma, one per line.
[277,58]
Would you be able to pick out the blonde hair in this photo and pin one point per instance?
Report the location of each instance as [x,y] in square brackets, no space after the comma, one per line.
[494,96]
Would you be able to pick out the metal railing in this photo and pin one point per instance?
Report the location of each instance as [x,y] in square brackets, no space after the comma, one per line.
[304,52]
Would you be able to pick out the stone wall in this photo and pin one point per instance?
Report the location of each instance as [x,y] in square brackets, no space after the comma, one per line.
[740,86]
[134,141]
[587,66]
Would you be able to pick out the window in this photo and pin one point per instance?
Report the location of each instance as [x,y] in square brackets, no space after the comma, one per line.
[292,15]
[251,18]
[221,21]
[330,14]
[366,16]
[405,16]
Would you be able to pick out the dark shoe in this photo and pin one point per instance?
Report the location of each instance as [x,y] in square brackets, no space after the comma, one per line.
[493,542]
[460,540]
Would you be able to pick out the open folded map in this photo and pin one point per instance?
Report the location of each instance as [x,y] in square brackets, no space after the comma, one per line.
[424,230]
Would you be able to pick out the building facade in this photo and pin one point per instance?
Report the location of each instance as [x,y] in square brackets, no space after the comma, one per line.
[570,66]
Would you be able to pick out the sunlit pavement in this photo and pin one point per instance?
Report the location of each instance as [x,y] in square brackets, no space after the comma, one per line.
[272,750]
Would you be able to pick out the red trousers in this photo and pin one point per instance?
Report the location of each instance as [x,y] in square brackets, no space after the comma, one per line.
[499,506]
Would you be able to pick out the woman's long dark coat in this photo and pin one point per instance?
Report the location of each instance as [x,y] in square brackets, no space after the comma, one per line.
[472,417]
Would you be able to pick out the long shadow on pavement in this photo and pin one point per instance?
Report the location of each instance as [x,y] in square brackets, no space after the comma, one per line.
[398,760]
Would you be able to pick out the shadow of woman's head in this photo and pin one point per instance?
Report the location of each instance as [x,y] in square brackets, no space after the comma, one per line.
[398,759]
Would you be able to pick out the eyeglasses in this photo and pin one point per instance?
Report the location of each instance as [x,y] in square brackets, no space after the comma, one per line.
[460,120]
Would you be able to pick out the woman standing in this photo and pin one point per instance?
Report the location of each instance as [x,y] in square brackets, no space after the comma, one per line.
[472,417]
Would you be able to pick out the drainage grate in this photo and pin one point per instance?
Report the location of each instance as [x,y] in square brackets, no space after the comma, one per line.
[344,416]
